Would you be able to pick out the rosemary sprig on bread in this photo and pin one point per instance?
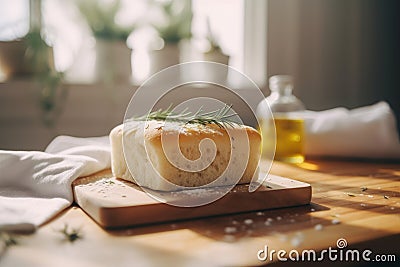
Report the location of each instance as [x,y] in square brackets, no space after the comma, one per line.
[220,117]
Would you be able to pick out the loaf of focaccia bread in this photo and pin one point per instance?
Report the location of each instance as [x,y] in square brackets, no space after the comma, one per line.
[151,168]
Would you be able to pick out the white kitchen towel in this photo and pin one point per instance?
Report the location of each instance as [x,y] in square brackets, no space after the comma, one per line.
[35,186]
[366,132]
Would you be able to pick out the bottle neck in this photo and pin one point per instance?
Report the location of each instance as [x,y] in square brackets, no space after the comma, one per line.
[282,90]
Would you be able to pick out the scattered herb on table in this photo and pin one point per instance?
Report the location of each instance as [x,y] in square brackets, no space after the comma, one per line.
[8,240]
[110,182]
[71,234]
[363,189]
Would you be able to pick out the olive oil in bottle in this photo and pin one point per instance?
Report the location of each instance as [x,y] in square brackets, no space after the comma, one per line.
[287,124]
[289,139]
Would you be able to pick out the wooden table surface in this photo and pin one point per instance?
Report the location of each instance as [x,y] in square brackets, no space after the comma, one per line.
[356,201]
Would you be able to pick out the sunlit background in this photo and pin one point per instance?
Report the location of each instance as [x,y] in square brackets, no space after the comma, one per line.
[70,67]
[65,28]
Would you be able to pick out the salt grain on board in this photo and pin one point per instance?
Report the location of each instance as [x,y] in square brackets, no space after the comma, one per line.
[248,221]
[318,227]
[230,230]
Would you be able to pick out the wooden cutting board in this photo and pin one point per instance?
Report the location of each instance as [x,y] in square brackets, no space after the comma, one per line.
[113,203]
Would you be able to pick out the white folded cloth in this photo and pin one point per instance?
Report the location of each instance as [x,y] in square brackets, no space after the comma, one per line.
[366,132]
[35,186]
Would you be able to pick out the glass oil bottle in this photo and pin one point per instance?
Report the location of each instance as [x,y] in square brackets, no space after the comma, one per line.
[287,119]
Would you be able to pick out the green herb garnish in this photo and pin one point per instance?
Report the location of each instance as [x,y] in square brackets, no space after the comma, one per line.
[72,234]
[8,239]
[219,117]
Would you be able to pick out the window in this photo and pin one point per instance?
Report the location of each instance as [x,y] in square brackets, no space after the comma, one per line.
[234,22]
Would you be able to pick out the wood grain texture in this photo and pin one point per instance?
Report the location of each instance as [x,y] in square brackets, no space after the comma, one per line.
[114,203]
[365,220]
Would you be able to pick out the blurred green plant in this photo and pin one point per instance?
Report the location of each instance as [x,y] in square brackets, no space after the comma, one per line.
[177,20]
[101,18]
[40,57]
[38,53]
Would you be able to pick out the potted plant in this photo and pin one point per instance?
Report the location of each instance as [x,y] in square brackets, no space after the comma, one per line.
[12,59]
[113,57]
[173,24]
[214,52]
[210,50]
[31,56]
[39,55]
[27,54]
